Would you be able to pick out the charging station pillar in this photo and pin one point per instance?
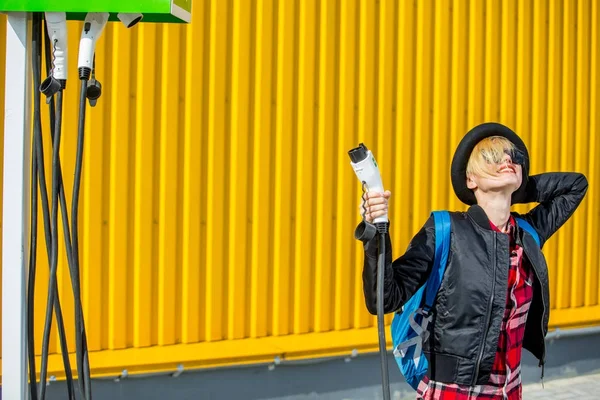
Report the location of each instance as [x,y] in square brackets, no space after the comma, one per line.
[17,158]
[16,204]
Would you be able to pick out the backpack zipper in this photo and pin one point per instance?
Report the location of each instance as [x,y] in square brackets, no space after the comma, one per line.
[488,315]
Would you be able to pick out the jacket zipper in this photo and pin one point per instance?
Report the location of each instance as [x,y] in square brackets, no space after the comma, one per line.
[542,361]
[488,315]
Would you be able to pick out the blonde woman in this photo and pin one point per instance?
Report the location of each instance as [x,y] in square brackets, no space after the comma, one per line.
[494,297]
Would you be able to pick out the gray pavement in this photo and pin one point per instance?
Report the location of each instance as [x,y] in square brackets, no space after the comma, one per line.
[585,387]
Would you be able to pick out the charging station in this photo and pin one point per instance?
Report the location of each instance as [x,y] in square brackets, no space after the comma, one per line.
[28,21]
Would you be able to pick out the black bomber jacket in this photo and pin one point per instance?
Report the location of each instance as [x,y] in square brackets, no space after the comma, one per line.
[469,306]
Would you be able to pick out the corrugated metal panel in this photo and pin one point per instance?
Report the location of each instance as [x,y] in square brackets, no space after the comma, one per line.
[218,202]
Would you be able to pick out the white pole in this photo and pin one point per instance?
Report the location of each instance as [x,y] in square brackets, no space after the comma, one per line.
[15,224]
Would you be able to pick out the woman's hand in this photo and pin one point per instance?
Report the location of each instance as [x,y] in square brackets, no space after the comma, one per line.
[375,204]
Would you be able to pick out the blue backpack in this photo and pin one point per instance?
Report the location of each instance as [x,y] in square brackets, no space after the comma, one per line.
[410,326]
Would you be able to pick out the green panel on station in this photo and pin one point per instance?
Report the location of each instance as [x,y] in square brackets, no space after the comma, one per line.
[163,11]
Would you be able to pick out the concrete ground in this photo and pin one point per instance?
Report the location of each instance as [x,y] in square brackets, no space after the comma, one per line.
[585,387]
[581,387]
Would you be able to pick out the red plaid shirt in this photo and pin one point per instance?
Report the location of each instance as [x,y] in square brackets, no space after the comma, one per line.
[505,379]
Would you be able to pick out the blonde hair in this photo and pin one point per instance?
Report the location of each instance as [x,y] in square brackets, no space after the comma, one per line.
[488,151]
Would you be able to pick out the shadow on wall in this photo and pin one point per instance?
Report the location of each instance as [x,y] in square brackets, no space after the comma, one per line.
[331,379]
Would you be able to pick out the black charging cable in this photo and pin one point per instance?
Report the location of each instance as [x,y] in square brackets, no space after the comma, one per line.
[52,290]
[38,176]
[72,246]
[61,193]
[382,230]
[365,232]
[83,364]
[52,87]
[36,49]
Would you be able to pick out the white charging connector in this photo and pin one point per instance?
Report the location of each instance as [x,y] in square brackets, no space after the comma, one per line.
[129,19]
[56,23]
[94,24]
[367,171]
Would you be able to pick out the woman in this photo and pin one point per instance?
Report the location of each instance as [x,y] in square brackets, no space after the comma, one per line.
[494,297]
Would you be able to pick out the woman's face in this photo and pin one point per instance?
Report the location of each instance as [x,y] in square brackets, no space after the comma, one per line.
[504,176]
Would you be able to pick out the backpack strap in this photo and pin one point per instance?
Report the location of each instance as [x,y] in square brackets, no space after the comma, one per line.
[421,326]
[442,248]
[527,227]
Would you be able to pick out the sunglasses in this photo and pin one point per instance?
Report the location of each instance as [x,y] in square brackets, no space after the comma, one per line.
[516,156]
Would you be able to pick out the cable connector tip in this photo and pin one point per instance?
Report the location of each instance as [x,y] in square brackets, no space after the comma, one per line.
[85,73]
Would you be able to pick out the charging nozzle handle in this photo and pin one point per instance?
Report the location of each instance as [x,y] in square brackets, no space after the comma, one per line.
[93,26]
[56,23]
[367,171]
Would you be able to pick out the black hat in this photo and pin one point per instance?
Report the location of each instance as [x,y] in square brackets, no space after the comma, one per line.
[463,152]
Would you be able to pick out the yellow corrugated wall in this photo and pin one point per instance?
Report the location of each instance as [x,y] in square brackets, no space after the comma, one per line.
[218,203]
